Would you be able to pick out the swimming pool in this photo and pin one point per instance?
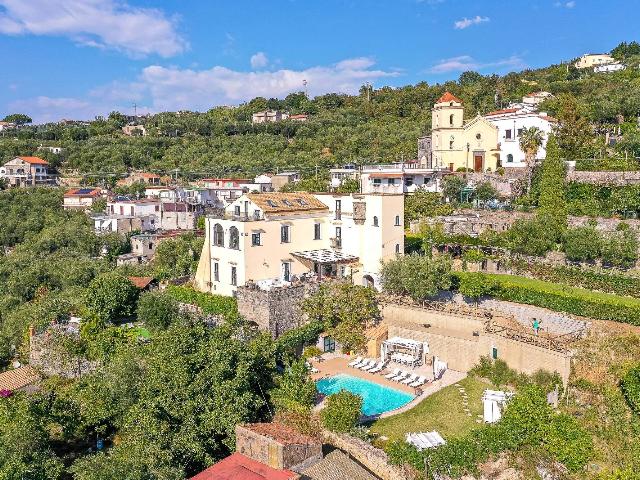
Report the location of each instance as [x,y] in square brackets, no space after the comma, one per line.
[376,399]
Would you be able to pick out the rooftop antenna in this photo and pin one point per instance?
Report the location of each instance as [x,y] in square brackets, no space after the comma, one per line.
[304,84]
[135,109]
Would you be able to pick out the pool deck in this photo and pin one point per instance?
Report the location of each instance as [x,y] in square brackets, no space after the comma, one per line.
[338,364]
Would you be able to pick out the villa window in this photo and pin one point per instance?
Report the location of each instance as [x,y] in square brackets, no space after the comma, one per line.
[316,231]
[507,134]
[397,221]
[237,210]
[234,276]
[408,181]
[450,144]
[377,182]
[451,119]
[286,271]
[509,158]
[234,238]
[255,239]
[397,249]
[375,221]
[218,235]
[338,209]
[391,181]
[285,234]
[478,136]
[216,272]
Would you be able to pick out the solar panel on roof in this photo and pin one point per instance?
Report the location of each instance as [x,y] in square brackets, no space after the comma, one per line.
[271,203]
[84,191]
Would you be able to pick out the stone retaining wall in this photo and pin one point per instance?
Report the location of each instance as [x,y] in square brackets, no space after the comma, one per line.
[372,458]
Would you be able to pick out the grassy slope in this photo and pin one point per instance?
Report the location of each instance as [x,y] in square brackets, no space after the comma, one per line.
[442,411]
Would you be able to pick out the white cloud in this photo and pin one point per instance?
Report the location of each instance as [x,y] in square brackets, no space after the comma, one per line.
[97,23]
[259,60]
[467,22]
[465,62]
[169,89]
[569,4]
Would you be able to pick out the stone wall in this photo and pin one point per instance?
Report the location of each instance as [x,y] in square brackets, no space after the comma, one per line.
[461,341]
[372,458]
[273,453]
[46,354]
[277,310]
[619,179]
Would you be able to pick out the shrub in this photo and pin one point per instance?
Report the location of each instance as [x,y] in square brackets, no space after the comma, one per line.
[530,237]
[582,244]
[342,411]
[111,296]
[568,442]
[475,285]
[157,310]
[473,256]
[620,249]
[630,386]
[210,304]
[295,391]
[416,275]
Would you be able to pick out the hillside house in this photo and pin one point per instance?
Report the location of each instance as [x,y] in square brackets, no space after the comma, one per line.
[590,60]
[140,177]
[26,171]
[81,198]
[269,116]
[277,237]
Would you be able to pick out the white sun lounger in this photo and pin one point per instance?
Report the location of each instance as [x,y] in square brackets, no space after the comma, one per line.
[419,382]
[368,363]
[354,362]
[361,363]
[401,376]
[412,378]
[379,368]
[370,367]
[395,373]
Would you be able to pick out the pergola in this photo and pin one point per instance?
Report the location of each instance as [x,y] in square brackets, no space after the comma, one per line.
[403,350]
[324,260]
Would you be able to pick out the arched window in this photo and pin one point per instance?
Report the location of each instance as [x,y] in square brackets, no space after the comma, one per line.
[234,238]
[509,158]
[397,220]
[478,136]
[397,249]
[450,144]
[218,235]
[451,119]
[375,221]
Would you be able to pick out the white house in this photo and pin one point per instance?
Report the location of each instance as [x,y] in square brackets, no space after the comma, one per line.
[281,236]
[589,60]
[134,208]
[81,198]
[339,175]
[510,123]
[608,68]
[269,116]
[399,178]
[26,171]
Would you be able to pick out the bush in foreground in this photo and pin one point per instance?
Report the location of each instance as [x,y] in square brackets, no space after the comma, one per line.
[342,411]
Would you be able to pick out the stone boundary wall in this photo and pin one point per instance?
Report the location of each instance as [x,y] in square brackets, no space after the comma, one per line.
[372,458]
[619,179]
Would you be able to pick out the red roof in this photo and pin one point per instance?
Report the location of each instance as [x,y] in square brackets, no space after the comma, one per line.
[83,192]
[501,112]
[141,282]
[34,160]
[548,118]
[148,175]
[448,97]
[239,467]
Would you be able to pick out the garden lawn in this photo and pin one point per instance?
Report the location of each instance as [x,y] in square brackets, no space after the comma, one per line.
[443,411]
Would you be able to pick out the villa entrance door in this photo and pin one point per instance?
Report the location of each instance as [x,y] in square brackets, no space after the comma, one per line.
[478,160]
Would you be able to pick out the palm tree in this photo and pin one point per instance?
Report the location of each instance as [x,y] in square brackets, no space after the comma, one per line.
[530,141]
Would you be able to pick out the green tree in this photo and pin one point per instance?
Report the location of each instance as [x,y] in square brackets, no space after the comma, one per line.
[18,118]
[24,448]
[485,191]
[417,276]
[345,310]
[552,204]
[422,204]
[582,244]
[620,249]
[530,237]
[111,296]
[475,285]
[157,310]
[342,411]
[452,186]
[573,131]
[349,185]
[294,391]
[530,142]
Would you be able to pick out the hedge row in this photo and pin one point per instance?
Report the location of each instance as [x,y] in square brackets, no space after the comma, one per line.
[210,304]
[616,283]
[561,298]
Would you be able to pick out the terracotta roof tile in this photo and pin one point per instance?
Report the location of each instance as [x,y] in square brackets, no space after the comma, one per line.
[239,467]
[34,160]
[502,112]
[448,97]
[287,202]
[18,378]
[141,282]
[280,433]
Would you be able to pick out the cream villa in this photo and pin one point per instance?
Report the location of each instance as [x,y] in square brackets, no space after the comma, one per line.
[272,238]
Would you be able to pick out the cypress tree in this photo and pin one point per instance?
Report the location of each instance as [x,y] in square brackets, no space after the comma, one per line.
[552,204]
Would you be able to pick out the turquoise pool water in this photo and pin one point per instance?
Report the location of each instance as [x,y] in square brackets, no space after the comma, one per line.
[376,399]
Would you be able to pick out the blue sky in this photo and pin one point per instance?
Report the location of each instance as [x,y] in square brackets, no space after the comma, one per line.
[79,58]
